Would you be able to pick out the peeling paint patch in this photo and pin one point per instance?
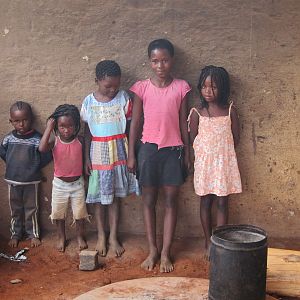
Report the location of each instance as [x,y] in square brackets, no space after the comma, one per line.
[5,31]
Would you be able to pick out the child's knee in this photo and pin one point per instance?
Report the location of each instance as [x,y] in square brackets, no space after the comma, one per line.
[79,208]
[59,211]
[222,204]
[149,202]
[171,202]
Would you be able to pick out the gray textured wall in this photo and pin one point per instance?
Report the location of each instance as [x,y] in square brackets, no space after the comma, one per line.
[48,51]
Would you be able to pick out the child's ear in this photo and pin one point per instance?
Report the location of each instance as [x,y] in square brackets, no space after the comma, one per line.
[96,80]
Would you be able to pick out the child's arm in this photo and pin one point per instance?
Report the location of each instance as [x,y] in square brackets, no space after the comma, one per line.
[3,149]
[128,112]
[81,140]
[194,124]
[235,126]
[184,131]
[45,143]
[135,126]
[87,146]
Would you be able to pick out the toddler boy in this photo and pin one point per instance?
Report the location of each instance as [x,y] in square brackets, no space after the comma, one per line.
[19,150]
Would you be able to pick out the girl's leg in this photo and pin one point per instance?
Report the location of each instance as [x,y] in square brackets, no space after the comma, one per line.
[170,195]
[61,233]
[100,223]
[205,216]
[80,234]
[222,210]
[149,199]
[113,210]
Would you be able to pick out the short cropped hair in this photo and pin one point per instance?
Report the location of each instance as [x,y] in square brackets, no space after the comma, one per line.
[161,44]
[107,68]
[21,105]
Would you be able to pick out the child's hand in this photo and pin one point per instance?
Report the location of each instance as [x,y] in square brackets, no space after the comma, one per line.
[87,167]
[50,124]
[131,164]
[187,162]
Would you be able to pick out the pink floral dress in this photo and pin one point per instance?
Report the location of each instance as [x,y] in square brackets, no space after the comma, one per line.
[216,167]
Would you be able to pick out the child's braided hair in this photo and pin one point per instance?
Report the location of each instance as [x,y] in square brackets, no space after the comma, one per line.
[67,110]
[221,79]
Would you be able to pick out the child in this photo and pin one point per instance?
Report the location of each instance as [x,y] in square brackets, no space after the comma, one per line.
[19,150]
[104,112]
[68,182]
[214,133]
[164,150]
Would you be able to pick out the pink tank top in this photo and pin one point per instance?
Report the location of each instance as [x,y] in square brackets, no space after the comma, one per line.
[67,158]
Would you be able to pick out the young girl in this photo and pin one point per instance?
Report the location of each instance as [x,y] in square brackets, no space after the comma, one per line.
[105,113]
[162,100]
[68,183]
[214,133]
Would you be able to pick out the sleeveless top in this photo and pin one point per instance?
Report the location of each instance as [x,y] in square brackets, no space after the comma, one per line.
[67,158]
[216,167]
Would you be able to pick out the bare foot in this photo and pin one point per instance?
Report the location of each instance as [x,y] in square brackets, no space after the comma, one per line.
[13,243]
[166,265]
[207,252]
[149,263]
[61,244]
[35,242]
[116,247]
[81,243]
[101,246]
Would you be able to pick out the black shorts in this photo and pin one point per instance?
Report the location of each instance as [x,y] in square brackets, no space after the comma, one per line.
[158,167]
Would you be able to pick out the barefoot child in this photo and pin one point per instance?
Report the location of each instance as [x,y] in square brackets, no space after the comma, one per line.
[19,150]
[104,113]
[214,133]
[162,100]
[68,184]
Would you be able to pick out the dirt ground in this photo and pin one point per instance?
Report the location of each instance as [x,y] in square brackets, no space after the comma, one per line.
[48,274]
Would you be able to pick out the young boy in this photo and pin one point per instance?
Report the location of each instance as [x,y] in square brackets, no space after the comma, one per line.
[19,150]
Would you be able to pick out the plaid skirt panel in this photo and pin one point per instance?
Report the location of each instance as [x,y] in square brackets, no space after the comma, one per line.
[109,176]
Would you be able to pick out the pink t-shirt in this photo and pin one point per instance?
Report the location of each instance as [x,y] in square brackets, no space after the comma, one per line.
[161,111]
[67,158]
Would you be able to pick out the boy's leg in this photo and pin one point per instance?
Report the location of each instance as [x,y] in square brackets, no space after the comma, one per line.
[113,210]
[222,210]
[205,216]
[80,234]
[15,197]
[100,223]
[30,197]
[170,195]
[149,196]
[61,234]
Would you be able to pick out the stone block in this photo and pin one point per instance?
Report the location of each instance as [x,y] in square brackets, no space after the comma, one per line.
[88,260]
